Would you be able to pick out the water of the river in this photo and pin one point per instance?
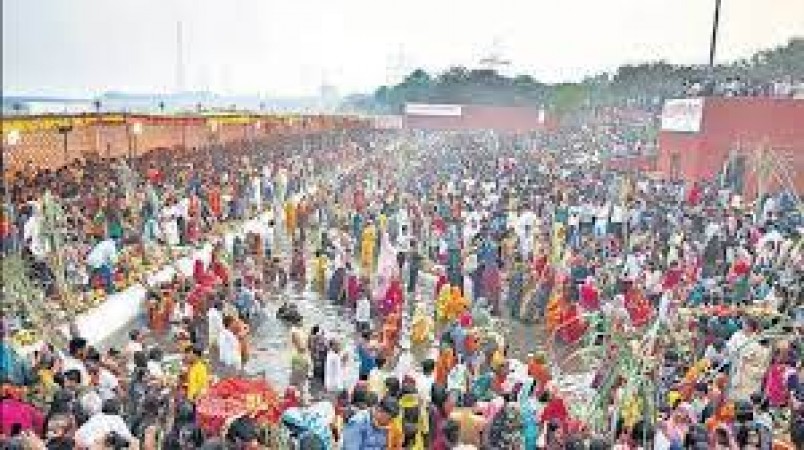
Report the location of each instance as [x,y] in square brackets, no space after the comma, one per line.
[271,340]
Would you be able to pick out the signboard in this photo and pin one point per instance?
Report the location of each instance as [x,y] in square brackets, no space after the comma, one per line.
[423,109]
[136,128]
[683,114]
[388,122]
[542,115]
[13,137]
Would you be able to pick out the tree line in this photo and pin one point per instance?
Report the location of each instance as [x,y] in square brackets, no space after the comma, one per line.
[648,83]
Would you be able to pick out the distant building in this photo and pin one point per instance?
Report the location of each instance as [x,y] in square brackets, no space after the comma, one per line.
[28,106]
[329,97]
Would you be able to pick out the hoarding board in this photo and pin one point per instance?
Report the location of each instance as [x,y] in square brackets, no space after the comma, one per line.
[683,115]
[423,109]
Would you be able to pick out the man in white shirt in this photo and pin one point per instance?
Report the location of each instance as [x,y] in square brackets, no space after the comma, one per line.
[75,360]
[403,223]
[101,260]
[108,384]
[169,224]
[525,223]
[134,344]
[404,363]
[472,226]
[256,192]
[768,209]
[512,219]
[739,339]
[102,424]
[229,348]
[587,215]
[425,380]
[363,313]
[214,324]
[182,311]
[154,364]
[104,253]
[32,232]
[617,219]
[334,374]
[602,220]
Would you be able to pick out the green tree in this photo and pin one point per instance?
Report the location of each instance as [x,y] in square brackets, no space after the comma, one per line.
[567,97]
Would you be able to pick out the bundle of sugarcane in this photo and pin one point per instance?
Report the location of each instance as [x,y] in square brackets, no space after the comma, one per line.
[54,231]
[23,299]
[127,177]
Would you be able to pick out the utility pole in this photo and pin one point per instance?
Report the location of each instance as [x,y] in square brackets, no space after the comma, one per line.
[713,41]
[179,57]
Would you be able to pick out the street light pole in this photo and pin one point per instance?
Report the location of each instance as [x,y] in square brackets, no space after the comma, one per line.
[128,139]
[64,130]
[713,41]
[97,105]
[136,130]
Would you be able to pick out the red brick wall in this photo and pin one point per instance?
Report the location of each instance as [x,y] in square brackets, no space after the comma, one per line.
[744,125]
[44,148]
[509,119]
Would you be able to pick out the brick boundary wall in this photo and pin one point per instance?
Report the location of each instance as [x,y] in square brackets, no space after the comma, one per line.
[36,141]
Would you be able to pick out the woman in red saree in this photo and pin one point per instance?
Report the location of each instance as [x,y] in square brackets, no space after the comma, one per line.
[204,284]
[492,286]
[573,326]
[201,276]
[194,220]
[354,286]
[392,300]
[776,382]
[215,203]
[389,286]
[440,282]
[639,308]
[298,266]
[590,296]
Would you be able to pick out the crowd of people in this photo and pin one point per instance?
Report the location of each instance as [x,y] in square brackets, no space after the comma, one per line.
[783,87]
[678,304]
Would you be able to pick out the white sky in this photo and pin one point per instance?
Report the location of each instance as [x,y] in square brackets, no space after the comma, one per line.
[289,47]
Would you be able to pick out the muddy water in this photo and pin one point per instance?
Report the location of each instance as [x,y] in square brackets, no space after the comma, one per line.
[271,342]
[271,337]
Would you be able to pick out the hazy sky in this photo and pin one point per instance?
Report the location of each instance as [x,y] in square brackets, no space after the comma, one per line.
[289,47]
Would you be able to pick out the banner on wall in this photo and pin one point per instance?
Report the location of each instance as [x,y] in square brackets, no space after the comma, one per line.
[13,137]
[45,123]
[425,109]
[32,124]
[683,115]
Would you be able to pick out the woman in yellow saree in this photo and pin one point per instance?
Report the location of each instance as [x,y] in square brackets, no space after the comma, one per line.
[290,218]
[367,249]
